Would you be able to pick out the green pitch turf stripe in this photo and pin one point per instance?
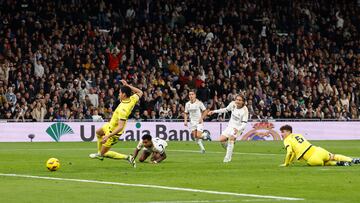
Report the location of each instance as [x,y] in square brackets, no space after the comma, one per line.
[171,150]
[214,152]
[155,186]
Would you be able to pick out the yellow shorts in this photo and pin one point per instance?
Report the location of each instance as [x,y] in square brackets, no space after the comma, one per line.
[112,140]
[316,156]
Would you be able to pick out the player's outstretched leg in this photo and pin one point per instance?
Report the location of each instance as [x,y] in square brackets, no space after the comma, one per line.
[115,155]
[229,149]
[355,161]
[339,157]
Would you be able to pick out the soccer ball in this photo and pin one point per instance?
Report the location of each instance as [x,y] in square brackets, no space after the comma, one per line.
[53,164]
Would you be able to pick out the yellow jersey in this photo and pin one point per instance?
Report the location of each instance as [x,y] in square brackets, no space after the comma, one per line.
[123,111]
[297,144]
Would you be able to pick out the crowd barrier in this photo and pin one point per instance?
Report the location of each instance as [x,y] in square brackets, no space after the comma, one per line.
[85,131]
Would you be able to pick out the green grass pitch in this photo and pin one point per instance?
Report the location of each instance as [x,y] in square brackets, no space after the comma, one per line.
[253,170]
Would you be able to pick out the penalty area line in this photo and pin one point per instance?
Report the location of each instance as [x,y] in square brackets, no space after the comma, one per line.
[155,186]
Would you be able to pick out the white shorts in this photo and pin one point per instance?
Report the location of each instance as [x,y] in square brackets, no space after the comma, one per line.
[230,131]
[197,126]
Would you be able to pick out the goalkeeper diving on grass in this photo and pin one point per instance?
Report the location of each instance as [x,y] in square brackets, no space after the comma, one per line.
[298,147]
[109,133]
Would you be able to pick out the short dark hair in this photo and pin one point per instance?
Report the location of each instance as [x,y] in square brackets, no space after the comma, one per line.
[286,127]
[241,96]
[192,90]
[126,90]
[146,137]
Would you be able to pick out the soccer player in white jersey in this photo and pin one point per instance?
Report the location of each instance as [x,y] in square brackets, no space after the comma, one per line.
[154,146]
[196,111]
[237,124]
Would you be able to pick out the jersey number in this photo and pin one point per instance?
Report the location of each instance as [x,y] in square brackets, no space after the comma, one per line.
[299,139]
[161,146]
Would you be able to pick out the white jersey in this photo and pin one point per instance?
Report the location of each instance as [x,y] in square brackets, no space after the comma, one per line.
[194,110]
[159,145]
[239,117]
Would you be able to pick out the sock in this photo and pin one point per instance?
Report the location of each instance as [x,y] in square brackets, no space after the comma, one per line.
[203,136]
[229,150]
[224,145]
[343,163]
[339,157]
[330,163]
[99,143]
[199,142]
[115,155]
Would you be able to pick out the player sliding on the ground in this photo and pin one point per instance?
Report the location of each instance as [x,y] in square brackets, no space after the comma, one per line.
[298,147]
[154,146]
[196,110]
[109,134]
[237,124]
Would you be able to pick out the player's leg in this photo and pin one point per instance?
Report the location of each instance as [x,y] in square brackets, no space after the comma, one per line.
[105,151]
[144,155]
[315,160]
[223,140]
[157,156]
[99,134]
[328,159]
[199,137]
[339,157]
[229,148]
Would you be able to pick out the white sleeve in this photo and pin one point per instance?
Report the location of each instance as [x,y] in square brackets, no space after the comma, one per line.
[140,145]
[245,119]
[225,110]
[202,106]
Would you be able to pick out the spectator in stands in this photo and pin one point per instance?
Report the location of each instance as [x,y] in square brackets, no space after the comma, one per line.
[303,52]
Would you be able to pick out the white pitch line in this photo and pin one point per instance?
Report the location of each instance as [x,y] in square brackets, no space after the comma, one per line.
[189,201]
[156,186]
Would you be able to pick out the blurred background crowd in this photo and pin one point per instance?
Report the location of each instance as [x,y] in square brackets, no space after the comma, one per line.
[291,59]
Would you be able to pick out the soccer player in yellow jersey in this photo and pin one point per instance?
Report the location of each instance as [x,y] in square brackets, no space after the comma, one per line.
[298,147]
[109,133]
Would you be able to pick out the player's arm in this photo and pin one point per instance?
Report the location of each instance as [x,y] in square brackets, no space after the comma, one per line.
[223,110]
[244,120]
[118,129]
[186,114]
[137,149]
[137,91]
[290,155]
[204,112]
[161,158]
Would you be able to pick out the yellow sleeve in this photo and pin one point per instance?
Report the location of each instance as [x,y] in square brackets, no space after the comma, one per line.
[290,155]
[134,99]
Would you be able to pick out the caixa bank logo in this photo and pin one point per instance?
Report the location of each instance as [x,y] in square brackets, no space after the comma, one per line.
[56,130]
[87,133]
[262,131]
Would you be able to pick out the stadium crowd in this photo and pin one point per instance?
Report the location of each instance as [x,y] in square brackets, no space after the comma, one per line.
[63,60]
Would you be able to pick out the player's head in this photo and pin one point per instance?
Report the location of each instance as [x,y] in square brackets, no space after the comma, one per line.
[125,92]
[285,130]
[240,100]
[147,140]
[192,95]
